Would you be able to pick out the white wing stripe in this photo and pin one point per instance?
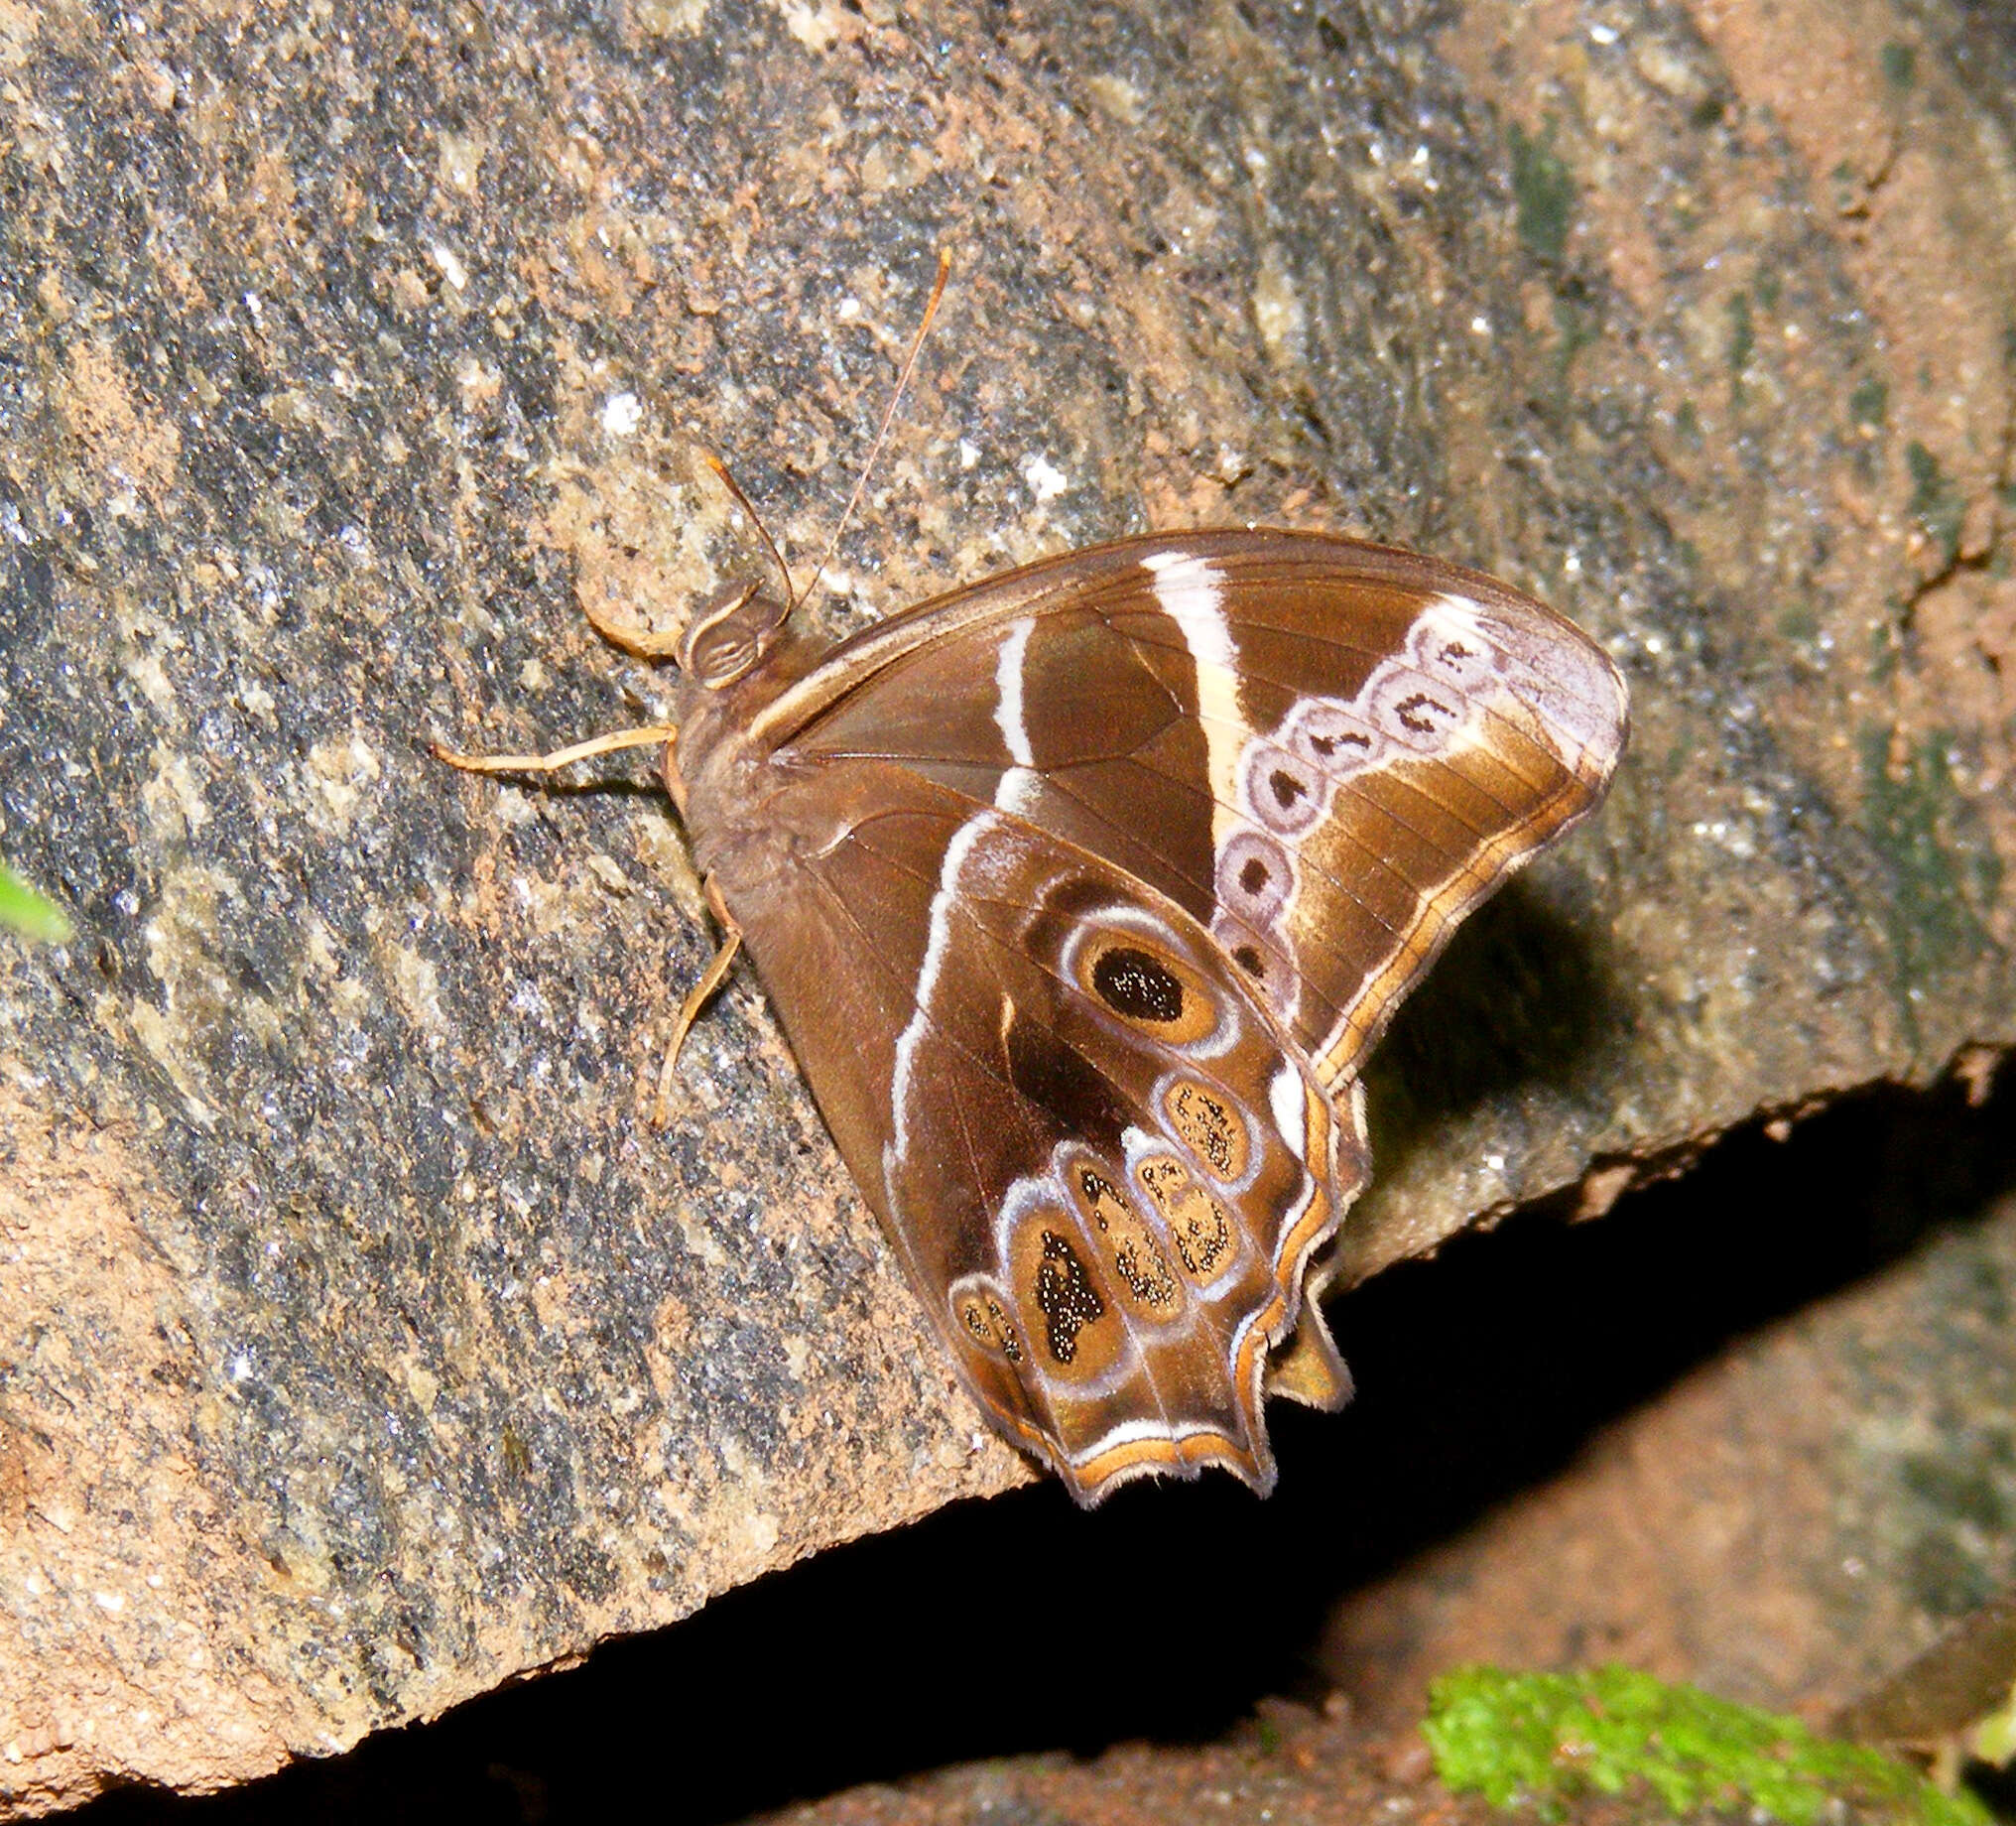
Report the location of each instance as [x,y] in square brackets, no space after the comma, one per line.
[1017,789]
[957,851]
[1191,592]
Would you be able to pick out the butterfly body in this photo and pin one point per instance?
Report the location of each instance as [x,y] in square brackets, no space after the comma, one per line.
[1081,893]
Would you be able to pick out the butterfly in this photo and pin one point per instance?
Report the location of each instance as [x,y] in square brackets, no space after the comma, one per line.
[1082,894]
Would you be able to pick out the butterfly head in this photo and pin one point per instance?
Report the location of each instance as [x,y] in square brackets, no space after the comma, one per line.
[729,635]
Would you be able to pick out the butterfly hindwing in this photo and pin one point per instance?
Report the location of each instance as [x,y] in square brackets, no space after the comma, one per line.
[1104,1163]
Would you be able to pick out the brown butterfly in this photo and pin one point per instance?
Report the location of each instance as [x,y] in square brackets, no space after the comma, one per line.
[1082,894]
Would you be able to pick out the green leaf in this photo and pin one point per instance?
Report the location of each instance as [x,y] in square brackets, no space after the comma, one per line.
[33,915]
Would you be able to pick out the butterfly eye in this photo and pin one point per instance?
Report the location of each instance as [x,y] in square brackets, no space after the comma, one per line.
[729,635]
[723,655]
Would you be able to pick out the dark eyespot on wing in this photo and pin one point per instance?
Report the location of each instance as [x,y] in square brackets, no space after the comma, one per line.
[1210,1126]
[990,1326]
[1419,713]
[1134,985]
[1066,1296]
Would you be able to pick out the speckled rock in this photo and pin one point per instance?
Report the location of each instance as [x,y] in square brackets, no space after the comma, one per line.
[361,1345]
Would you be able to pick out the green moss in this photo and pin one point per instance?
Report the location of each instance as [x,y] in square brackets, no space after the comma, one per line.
[1541,1738]
[1869,404]
[1543,191]
[1742,334]
[1918,819]
[1936,503]
[1798,622]
[33,915]
[1900,66]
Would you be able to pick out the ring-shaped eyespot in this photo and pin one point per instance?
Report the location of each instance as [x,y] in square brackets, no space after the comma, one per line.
[981,1312]
[1332,738]
[1451,642]
[1417,716]
[1255,876]
[1284,792]
[1462,660]
[1149,987]
[1209,1124]
[1069,1322]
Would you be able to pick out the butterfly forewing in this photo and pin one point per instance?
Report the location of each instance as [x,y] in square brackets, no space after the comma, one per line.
[1325,752]
[1081,893]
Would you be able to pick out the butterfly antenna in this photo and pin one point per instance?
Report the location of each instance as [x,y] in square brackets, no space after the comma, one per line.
[755,519]
[944,269]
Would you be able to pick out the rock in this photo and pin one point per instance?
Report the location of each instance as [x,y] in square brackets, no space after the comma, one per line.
[362,1346]
[1796,1470]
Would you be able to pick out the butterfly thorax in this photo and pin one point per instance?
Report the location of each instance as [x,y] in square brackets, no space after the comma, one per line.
[720,772]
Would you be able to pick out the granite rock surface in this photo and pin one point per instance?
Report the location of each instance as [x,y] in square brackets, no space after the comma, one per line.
[361,1344]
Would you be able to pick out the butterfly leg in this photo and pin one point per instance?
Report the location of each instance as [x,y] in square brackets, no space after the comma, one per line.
[643,643]
[696,998]
[652,734]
